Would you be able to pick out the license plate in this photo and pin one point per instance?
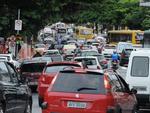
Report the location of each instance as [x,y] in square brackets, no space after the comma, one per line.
[72,104]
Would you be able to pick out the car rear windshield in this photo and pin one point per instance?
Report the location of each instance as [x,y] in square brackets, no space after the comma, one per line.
[89,53]
[57,68]
[140,67]
[79,83]
[33,67]
[90,61]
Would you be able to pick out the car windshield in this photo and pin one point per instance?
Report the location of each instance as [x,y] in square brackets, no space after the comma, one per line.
[59,67]
[33,67]
[79,83]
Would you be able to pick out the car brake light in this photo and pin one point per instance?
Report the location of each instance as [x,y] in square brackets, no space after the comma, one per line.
[106,83]
[43,79]
[104,61]
[98,67]
[122,55]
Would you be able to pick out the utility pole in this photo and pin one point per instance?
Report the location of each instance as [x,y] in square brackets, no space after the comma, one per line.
[18,19]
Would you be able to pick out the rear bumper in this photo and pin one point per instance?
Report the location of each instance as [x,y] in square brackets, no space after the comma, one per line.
[143,100]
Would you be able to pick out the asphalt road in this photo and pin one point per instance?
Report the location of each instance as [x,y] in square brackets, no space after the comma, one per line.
[35,106]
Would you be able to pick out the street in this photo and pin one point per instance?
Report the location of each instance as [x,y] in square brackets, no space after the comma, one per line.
[35,106]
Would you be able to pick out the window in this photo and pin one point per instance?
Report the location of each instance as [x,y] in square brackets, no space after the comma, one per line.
[4,74]
[33,67]
[79,83]
[57,68]
[13,74]
[116,86]
[140,67]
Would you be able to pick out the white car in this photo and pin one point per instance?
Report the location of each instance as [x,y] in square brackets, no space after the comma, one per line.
[88,52]
[108,51]
[52,52]
[89,61]
[11,59]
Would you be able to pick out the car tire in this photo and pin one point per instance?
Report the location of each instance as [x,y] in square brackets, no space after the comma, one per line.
[135,109]
[1,109]
[28,108]
[118,110]
[40,101]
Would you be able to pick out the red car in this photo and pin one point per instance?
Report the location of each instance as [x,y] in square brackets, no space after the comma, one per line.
[48,74]
[89,92]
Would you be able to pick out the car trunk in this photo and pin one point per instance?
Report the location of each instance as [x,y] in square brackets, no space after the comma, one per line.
[32,71]
[78,103]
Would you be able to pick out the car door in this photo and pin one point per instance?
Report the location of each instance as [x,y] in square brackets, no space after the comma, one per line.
[22,94]
[121,96]
[128,96]
[8,90]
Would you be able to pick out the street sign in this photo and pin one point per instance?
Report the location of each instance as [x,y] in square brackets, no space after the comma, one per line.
[18,25]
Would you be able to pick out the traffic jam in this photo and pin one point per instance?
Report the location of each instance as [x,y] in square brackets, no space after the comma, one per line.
[72,70]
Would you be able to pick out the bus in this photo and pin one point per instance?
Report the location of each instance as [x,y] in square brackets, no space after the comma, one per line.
[132,36]
[84,33]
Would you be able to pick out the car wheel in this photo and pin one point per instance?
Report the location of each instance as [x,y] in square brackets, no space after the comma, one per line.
[40,101]
[135,109]
[1,110]
[28,108]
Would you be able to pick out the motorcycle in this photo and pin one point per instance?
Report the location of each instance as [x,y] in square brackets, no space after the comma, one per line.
[115,64]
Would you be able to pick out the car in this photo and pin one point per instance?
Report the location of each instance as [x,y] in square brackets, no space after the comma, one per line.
[123,45]
[108,51]
[11,59]
[15,95]
[89,92]
[49,72]
[138,76]
[69,47]
[40,47]
[31,70]
[124,57]
[51,52]
[88,52]
[102,60]
[90,62]
[54,54]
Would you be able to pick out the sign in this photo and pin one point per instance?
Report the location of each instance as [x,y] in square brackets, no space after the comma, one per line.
[18,25]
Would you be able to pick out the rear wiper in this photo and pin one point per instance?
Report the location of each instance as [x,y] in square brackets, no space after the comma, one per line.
[86,88]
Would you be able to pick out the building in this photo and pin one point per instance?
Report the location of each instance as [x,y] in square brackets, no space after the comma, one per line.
[145,3]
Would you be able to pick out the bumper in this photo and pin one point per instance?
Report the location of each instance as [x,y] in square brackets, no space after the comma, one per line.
[143,100]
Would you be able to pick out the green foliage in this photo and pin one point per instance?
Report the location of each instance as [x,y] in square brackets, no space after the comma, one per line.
[38,13]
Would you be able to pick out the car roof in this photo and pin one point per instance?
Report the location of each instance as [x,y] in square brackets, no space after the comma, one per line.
[85,57]
[36,60]
[64,62]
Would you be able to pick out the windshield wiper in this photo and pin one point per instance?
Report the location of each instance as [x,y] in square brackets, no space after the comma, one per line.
[86,88]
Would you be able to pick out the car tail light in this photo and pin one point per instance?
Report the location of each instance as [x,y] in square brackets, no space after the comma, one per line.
[98,67]
[43,79]
[104,61]
[106,83]
[122,55]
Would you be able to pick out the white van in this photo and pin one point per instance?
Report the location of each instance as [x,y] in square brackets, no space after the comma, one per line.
[138,75]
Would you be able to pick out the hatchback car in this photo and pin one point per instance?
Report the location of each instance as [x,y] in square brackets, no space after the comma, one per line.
[90,62]
[31,70]
[15,95]
[50,71]
[89,92]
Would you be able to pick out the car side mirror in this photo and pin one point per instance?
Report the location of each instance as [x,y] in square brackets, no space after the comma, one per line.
[133,91]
